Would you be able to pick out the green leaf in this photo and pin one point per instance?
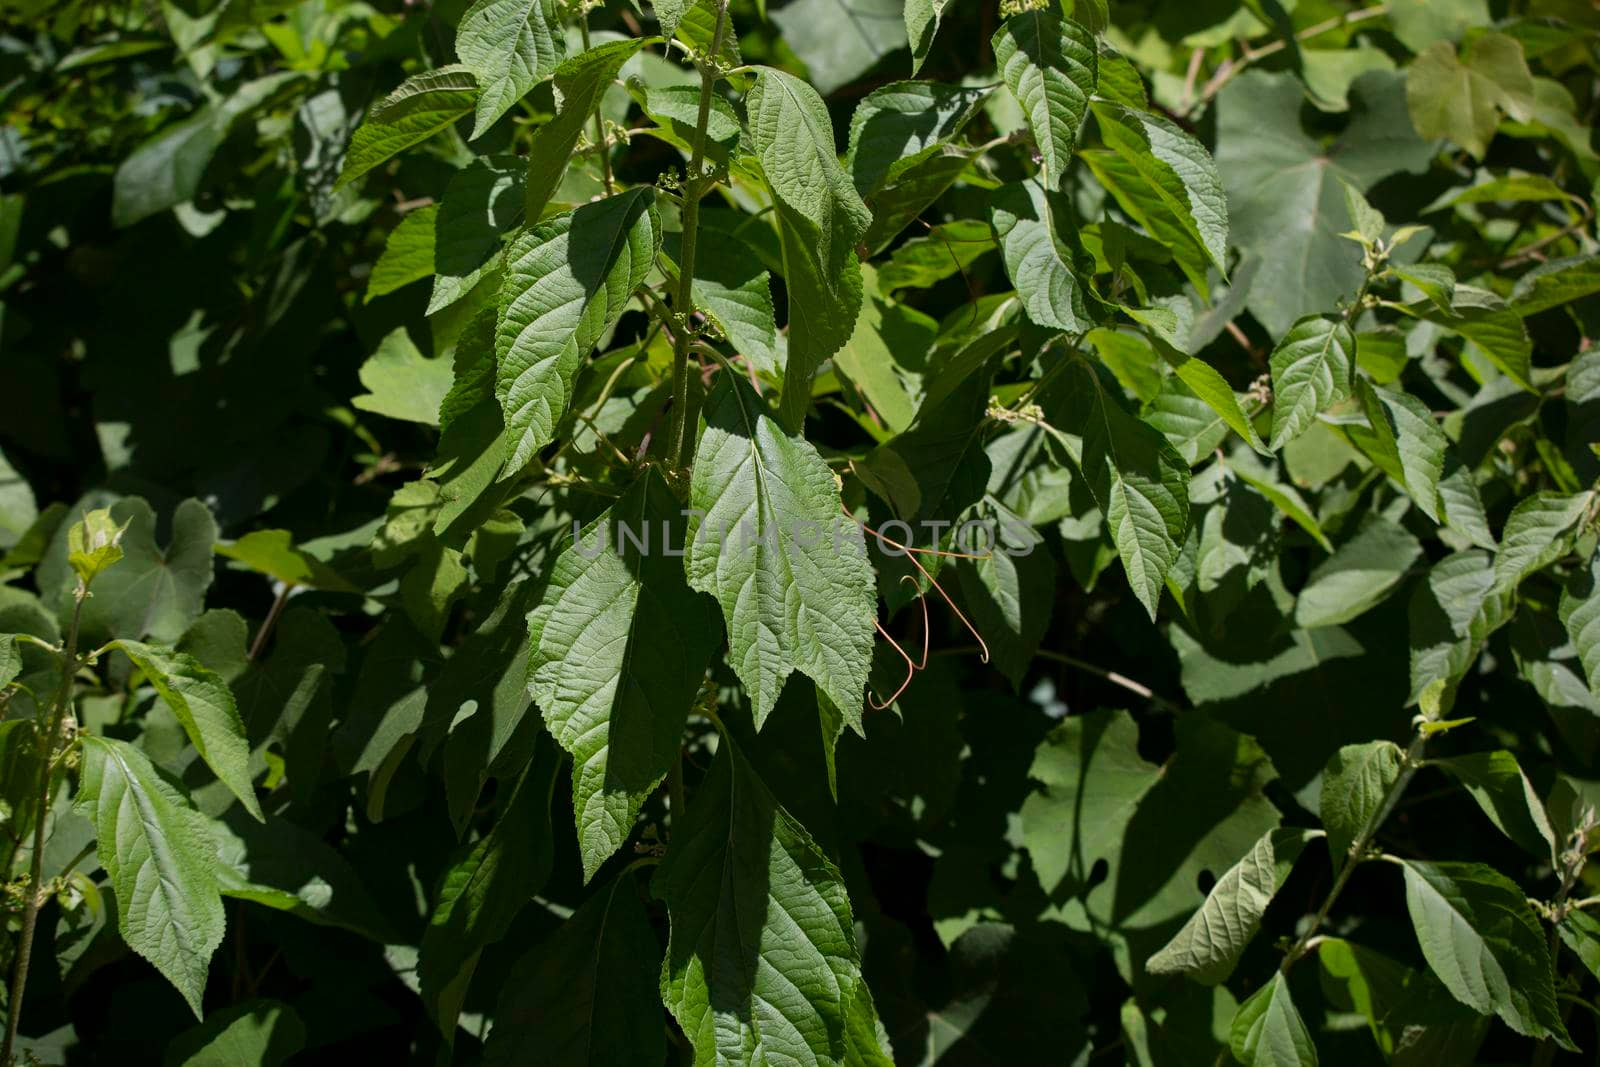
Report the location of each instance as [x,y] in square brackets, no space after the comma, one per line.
[407,254]
[1412,1017]
[94,544]
[167,170]
[676,110]
[437,579]
[840,40]
[1178,192]
[152,592]
[1328,72]
[281,865]
[899,205]
[1359,575]
[1382,354]
[1404,440]
[668,13]
[731,287]
[1268,1031]
[885,333]
[699,25]
[262,1033]
[10,659]
[947,249]
[588,995]
[765,538]
[510,46]
[1484,319]
[1481,938]
[567,280]
[1286,499]
[1462,504]
[424,105]
[1007,591]
[1452,615]
[1461,98]
[1513,187]
[1209,385]
[482,892]
[1209,945]
[1419,23]
[820,220]
[1580,614]
[203,705]
[1139,480]
[1049,65]
[1495,780]
[1118,80]
[1033,226]
[1556,282]
[922,22]
[619,648]
[273,553]
[1537,534]
[1436,282]
[160,861]
[938,468]
[483,200]
[1581,932]
[1286,204]
[762,962]
[579,84]
[402,382]
[1311,368]
[902,124]
[1101,801]
[1355,784]
[1191,425]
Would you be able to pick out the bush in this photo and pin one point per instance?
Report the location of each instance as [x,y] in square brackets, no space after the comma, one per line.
[546,532]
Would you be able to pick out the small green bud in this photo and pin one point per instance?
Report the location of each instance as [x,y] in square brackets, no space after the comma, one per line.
[94,544]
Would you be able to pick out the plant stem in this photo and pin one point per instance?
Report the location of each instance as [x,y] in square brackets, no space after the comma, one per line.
[599,119]
[260,642]
[1408,769]
[30,911]
[693,189]
[1231,68]
[1156,699]
[675,795]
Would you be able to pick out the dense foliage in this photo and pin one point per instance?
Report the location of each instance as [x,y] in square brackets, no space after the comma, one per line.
[559,532]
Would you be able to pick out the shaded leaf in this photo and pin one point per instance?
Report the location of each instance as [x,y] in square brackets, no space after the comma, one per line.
[203,705]
[1481,938]
[762,962]
[1209,945]
[764,539]
[424,105]
[619,649]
